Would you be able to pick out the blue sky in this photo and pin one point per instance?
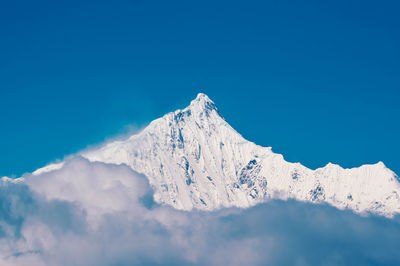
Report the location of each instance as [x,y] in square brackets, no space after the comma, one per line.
[319,82]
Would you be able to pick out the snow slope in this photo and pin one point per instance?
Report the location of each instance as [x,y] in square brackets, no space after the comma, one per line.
[194,159]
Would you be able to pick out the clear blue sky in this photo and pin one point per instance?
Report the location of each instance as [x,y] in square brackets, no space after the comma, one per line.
[319,81]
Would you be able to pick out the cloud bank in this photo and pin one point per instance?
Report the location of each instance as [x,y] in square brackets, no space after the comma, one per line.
[102,214]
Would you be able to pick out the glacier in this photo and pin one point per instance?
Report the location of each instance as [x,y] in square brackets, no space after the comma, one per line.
[194,159]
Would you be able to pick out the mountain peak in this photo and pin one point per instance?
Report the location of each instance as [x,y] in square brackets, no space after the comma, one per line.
[203,103]
[202,97]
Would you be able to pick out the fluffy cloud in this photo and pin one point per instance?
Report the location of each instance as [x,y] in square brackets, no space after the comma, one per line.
[100,214]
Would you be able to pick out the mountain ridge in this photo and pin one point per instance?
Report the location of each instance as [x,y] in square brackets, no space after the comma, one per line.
[195,160]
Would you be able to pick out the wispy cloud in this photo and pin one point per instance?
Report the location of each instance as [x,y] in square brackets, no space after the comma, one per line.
[100,214]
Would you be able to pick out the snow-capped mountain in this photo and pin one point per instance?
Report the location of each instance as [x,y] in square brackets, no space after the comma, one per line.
[194,159]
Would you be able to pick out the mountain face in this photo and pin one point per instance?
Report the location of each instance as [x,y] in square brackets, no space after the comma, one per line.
[195,160]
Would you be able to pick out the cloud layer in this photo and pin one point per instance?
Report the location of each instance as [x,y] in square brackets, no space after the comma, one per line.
[101,214]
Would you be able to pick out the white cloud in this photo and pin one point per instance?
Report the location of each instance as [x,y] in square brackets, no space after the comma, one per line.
[99,214]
